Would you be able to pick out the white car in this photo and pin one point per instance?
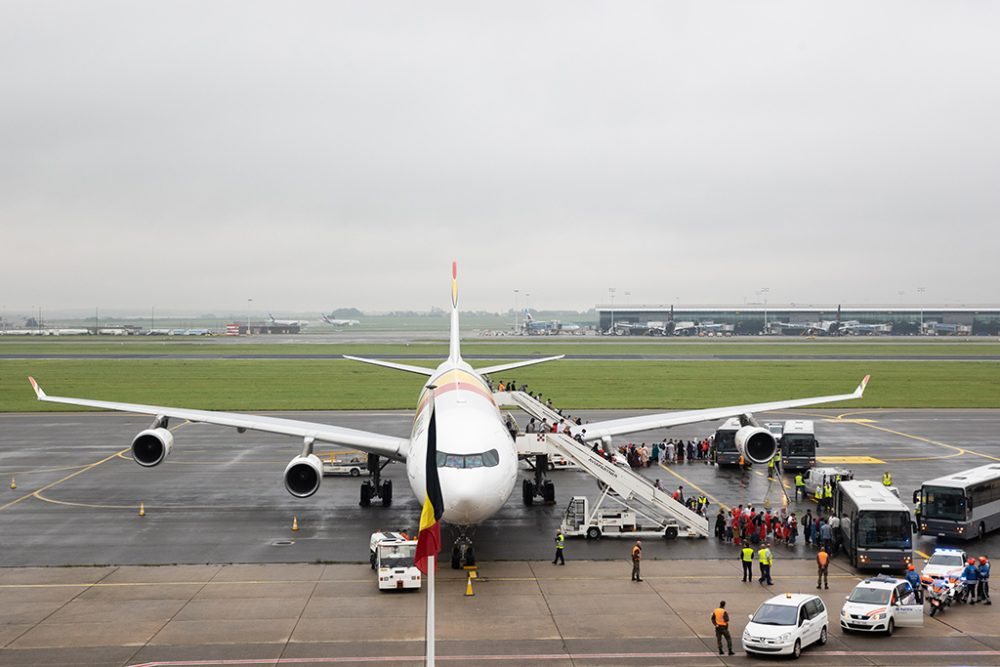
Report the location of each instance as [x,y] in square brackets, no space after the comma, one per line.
[354,467]
[786,624]
[942,564]
[880,604]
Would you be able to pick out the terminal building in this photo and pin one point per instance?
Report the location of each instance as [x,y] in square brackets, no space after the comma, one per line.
[798,319]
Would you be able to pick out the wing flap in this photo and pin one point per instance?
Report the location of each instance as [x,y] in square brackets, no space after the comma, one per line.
[627,425]
[374,443]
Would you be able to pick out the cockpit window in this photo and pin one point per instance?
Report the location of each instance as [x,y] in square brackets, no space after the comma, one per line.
[483,460]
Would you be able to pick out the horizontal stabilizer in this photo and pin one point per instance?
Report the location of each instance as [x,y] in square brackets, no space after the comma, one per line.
[515,364]
[419,370]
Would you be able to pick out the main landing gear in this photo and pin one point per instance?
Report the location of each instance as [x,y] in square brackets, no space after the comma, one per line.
[539,487]
[462,554]
[374,487]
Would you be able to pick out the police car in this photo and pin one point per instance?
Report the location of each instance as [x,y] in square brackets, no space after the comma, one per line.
[942,564]
[786,624]
[880,604]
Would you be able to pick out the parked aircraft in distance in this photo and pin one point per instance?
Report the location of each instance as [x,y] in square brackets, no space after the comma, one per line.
[834,327]
[287,323]
[477,455]
[338,322]
[534,327]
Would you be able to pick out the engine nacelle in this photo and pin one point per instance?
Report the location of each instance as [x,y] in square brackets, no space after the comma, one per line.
[303,475]
[756,443]
[151,446]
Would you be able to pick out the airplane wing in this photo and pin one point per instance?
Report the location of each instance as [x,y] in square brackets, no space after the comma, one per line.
[614,427]
[419,370]
[373,443]
[515,364]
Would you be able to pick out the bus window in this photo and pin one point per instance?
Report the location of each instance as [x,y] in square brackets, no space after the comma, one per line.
[884,530]
[941,502]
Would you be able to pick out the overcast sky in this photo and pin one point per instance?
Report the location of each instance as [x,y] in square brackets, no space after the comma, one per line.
[312,155]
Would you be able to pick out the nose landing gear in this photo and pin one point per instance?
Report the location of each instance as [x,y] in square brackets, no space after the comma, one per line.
[462,554]
[374,487]
[540,487]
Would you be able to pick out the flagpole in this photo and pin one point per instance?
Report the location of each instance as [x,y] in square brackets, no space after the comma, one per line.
[429,661]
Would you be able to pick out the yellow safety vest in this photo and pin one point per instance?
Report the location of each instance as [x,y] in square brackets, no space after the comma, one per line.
[747,555]
[799,481]
[560,541]
[828,491]
[819,492]
[764,556]
[887,479]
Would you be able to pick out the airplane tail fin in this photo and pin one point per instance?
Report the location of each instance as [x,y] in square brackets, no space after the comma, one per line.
[454,349]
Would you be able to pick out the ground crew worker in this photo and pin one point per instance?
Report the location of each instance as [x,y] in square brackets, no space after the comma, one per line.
[984,579]
[636,559]
[913,577]
[746,560]
[916,510]
[720,619]
[886,478]
[776,460]
[770,468]
[702,504]
[819,494]
[800,486]
[828,495]
[823,565]
[764,557]
[560,544]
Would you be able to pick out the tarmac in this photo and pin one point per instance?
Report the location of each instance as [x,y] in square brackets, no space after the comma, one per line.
[310,595]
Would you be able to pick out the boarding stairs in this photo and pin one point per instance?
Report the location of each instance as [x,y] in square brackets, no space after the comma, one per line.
[629,486]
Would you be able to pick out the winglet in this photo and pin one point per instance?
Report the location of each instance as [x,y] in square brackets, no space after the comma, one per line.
[38,390]
[860,391]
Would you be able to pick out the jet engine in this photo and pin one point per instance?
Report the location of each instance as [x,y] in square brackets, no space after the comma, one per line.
[151,446]
[756,443]
[303,475]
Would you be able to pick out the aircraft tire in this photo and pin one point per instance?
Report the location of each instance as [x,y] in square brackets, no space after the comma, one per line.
[366,494]
[387,493]
[528,492]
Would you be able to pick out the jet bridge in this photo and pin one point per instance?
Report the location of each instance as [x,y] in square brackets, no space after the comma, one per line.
[630,487]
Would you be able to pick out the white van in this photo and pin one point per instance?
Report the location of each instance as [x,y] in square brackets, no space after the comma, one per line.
[786,624]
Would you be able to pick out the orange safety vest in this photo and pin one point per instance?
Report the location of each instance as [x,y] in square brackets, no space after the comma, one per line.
[720,617]
[637,552]
[822,558]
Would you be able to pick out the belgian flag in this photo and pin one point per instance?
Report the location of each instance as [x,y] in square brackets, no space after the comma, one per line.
[429,538]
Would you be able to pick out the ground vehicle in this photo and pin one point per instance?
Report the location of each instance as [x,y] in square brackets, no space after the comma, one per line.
[875,526]
[879,604]
[391,556]
[798,445]
[724,444]
[785,624]
[944,592]
[965,504]
[555,462]
[333,466]
[620,521]
[943,563]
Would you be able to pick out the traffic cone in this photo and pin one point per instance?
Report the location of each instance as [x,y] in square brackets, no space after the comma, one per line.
[468,587]
[13,483]
[142,509]
[295,523]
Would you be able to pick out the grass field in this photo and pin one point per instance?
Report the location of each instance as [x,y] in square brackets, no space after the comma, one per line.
[523,347]
[336,384]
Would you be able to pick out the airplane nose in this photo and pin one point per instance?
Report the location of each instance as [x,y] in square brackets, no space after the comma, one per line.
[462,505]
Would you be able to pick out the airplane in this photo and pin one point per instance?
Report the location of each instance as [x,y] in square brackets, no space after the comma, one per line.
[835,327]
[287,323]
[339,323]
[477,456]
[545,327]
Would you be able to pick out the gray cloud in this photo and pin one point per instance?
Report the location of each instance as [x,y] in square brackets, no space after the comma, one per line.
[313,155]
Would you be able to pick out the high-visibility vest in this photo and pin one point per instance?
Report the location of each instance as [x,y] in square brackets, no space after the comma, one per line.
[822,558]
[828,491]
[799,482]
[887,479]
[770,464]
[747,555]
[636,552]
[560,541]
[819,492]
[702,500]
[720,617]
[764,556]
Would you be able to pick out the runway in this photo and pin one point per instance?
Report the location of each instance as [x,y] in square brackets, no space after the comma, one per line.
[219,497]
[516,357]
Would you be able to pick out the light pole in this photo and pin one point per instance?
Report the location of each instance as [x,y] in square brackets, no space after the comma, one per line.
[249,301]
[515,310]
[527,302]
[611,291]
[920,291]
[764,291]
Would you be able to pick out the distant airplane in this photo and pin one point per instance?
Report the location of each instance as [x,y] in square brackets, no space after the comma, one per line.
[477,456]
[532,326]
[287,323]
[835,327]
[339,323]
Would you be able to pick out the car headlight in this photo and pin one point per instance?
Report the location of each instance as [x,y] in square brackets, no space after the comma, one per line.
[746,635]
[843,612]
[881,617]
[784,637]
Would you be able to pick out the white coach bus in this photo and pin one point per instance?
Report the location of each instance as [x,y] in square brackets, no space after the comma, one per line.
[963,505]
[876,527]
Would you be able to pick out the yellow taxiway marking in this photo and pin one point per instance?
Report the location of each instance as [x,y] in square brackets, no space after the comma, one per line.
[60,481]
[921,554]
[839,420]
[857,460]
[696,488]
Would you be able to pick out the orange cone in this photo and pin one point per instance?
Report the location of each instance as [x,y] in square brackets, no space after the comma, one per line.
[142,509]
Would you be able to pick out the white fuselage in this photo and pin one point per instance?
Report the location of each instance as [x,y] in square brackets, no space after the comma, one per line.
[477,459]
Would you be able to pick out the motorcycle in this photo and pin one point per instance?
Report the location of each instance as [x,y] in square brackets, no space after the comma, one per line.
[942,593]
